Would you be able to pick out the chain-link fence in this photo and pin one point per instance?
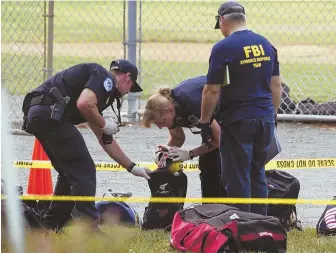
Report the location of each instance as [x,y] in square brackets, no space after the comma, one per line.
[177,38]
[174,40]
[89,32]
[22,50]
[81,32]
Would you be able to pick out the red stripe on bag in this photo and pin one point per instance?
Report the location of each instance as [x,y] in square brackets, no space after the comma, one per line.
[214,241]
[255,236]
[179,230]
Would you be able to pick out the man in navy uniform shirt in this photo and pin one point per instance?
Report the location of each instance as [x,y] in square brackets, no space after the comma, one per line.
[76,95]
[244,76]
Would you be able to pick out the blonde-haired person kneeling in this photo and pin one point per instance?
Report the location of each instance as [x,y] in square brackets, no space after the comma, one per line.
[180,108]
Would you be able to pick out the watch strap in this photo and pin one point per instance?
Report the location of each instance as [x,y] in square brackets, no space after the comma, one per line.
[191,154]
[129,169]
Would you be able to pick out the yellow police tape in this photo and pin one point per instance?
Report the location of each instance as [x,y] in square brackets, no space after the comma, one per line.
[181,200]
[284,164]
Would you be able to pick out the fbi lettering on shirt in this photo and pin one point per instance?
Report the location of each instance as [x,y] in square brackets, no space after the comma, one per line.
[254,54]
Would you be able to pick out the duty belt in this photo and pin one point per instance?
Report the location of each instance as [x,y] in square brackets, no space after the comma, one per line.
[32,99]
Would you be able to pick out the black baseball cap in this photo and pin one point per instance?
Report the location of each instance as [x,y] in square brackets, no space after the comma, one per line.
[126,66]
[229,7]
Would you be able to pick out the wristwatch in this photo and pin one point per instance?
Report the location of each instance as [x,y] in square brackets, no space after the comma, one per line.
[129,169]
[191,154]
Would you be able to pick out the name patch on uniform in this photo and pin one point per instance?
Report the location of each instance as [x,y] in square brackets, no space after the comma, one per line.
[108,84]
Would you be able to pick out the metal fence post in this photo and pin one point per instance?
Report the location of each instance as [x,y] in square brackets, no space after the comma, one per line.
[140,77]
[50,38]
[49,43]
[131,47]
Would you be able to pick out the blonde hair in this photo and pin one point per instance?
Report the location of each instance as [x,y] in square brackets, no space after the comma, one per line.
[156,105]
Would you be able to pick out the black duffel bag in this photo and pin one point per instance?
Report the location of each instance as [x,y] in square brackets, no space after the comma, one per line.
[283,185]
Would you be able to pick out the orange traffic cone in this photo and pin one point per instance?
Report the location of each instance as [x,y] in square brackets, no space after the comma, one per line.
[40,181]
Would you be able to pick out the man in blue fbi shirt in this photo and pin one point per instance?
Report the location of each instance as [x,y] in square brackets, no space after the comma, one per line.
[72,96]
[243,78]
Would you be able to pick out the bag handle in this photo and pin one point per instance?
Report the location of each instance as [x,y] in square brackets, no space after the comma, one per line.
[282,175]
[233,244]
[118,194]
[297,224]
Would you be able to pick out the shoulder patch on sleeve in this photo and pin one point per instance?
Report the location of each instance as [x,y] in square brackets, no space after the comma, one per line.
[108,84]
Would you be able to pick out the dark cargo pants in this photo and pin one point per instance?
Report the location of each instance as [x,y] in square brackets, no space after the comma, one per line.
[68,153]
[210,176]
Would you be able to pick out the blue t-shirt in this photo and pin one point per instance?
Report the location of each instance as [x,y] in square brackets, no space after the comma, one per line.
[188,96]
[72,81]
[243,63]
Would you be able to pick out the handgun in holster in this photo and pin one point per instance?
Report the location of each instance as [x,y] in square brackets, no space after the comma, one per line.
[58,108]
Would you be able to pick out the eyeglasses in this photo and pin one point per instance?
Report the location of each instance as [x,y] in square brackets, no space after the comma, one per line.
[217,17]
[133,83]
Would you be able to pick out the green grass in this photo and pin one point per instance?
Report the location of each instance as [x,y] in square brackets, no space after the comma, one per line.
[127,240]
[305,80]
[283,22]
[22,21]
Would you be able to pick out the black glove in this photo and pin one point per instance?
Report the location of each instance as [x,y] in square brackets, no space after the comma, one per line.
[107,138]
[206,133]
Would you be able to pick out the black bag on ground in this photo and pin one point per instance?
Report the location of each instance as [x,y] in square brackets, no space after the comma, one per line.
[164,184]
[33,211]
[29,210]
[281,184]
[31,218]
[287,105]
[310,107]
[327,222]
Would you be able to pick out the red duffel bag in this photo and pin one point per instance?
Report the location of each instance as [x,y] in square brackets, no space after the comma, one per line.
[215,228]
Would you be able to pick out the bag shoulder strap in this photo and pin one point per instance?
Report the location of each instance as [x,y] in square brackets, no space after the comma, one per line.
[297,224]
[118,109]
